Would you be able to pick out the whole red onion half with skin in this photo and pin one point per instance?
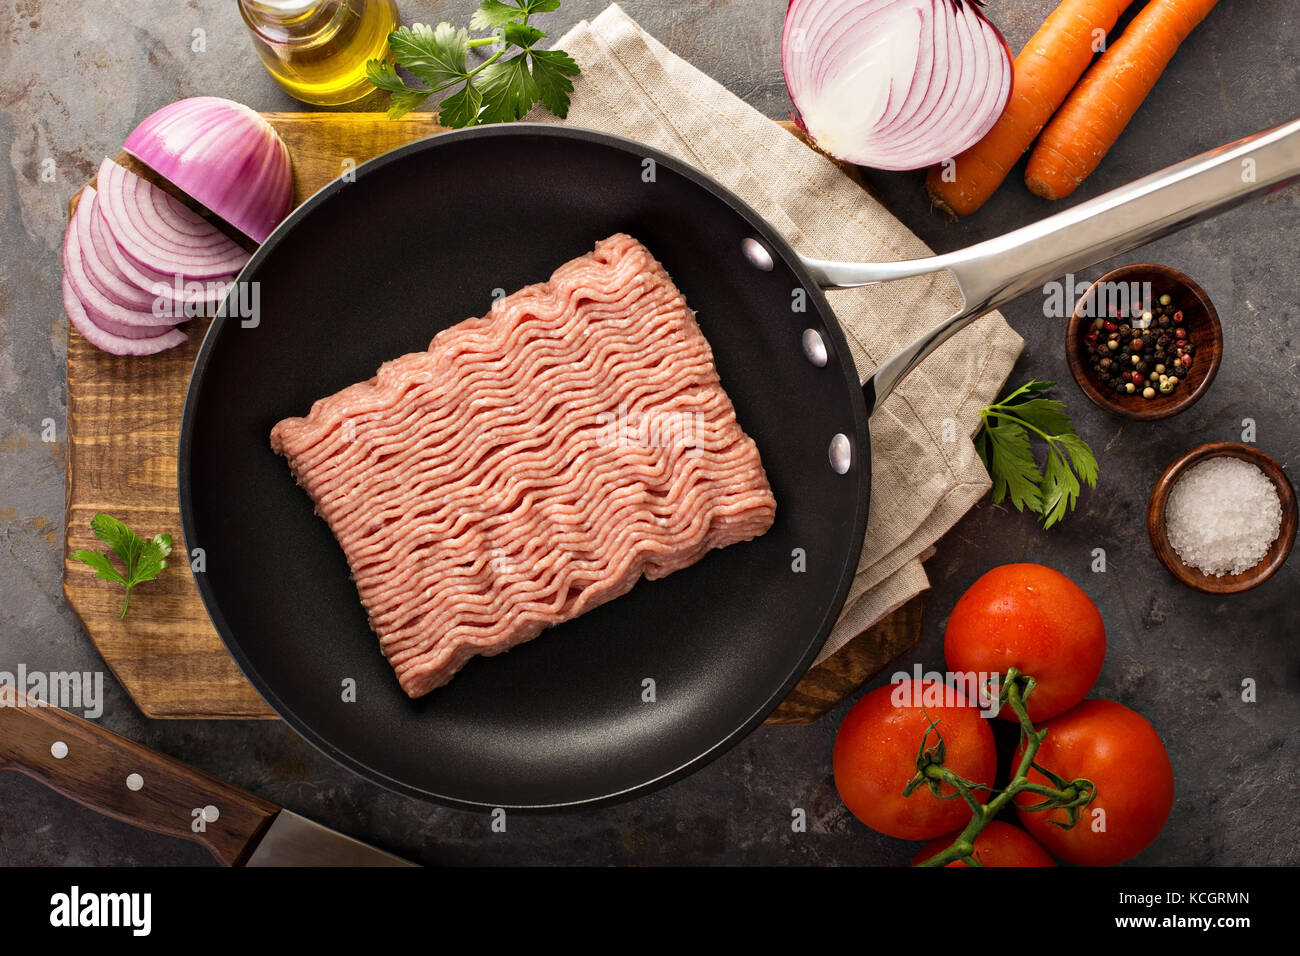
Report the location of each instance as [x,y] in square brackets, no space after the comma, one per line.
[222,154]
[894,84]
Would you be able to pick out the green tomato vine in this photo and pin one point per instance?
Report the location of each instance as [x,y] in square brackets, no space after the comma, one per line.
[1069,795]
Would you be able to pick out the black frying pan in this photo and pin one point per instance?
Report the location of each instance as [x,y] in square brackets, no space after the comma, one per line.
[368,270]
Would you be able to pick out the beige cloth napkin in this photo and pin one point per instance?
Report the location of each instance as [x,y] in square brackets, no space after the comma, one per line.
[926,473]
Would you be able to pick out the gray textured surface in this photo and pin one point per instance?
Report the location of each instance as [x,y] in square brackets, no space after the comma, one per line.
[74,79]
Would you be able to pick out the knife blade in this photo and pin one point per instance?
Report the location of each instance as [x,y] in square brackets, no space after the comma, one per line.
[129,782]
[292,840]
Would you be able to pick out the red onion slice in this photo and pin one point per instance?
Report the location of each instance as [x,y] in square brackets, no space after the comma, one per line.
[171,287]
[102,310]
[109,342]
[99,268]
[126,205]
[70,248]
[894,84]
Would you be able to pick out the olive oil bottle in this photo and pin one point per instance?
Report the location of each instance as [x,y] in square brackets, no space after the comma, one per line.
[317,49]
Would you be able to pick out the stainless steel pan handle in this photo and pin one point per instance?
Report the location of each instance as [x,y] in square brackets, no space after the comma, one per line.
[994,272]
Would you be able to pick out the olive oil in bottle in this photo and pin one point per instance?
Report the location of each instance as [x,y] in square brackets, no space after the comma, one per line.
[317,49]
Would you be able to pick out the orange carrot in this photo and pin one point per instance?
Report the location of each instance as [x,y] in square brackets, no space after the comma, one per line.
[1086,127]
[1042,77]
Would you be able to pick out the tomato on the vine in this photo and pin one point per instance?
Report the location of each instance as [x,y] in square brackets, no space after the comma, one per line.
[1037,620]
[876,750]
[998,844]
[1120,752]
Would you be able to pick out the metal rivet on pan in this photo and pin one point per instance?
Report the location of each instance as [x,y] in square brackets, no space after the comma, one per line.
[211,814]
[134,781]
[59,749]
[814,347]
[757,254]
[841,453]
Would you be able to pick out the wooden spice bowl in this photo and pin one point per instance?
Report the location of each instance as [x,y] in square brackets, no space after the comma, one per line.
[1203,331]
[1195,577]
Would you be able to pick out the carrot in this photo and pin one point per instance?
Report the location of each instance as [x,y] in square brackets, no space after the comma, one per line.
[1042,77]
[1094,115]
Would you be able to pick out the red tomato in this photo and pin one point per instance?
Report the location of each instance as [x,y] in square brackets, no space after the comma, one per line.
[998,844]
[1121,753]
[1037,620]
[875,757]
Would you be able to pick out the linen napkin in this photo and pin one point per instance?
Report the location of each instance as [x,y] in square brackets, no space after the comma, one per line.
[925,472]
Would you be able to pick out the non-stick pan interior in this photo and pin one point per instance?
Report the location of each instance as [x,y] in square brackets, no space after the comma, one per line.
[368,270]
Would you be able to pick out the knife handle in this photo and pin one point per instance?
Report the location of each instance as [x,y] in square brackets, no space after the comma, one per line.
[121,779]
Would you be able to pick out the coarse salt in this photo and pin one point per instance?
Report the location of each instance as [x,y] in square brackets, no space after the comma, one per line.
[1223,515]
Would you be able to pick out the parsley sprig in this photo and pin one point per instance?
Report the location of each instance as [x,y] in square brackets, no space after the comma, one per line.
[1004,443]
[142,559]
[495,91]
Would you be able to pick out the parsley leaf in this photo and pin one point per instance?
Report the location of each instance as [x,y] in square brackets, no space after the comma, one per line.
[124,542]
[499,89]
[435,55]
[143,559]
[461,109]
[1046,415]
[494,13]
[102,565]
[509,90]
[521,35]
[551,70]
[382,75]
[152,559]
[1004,445]
[1018,475]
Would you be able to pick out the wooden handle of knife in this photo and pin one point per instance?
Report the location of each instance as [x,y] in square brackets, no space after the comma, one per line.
[121,779]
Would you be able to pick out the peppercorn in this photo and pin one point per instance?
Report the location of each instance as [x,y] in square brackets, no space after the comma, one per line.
[1134,350]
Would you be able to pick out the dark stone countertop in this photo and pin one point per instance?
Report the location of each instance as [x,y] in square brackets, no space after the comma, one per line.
[73,83]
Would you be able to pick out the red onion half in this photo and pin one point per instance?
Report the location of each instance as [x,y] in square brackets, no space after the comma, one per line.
[894,84]
[224,155]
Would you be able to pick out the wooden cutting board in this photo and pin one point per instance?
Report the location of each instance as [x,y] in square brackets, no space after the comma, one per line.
[123,425]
